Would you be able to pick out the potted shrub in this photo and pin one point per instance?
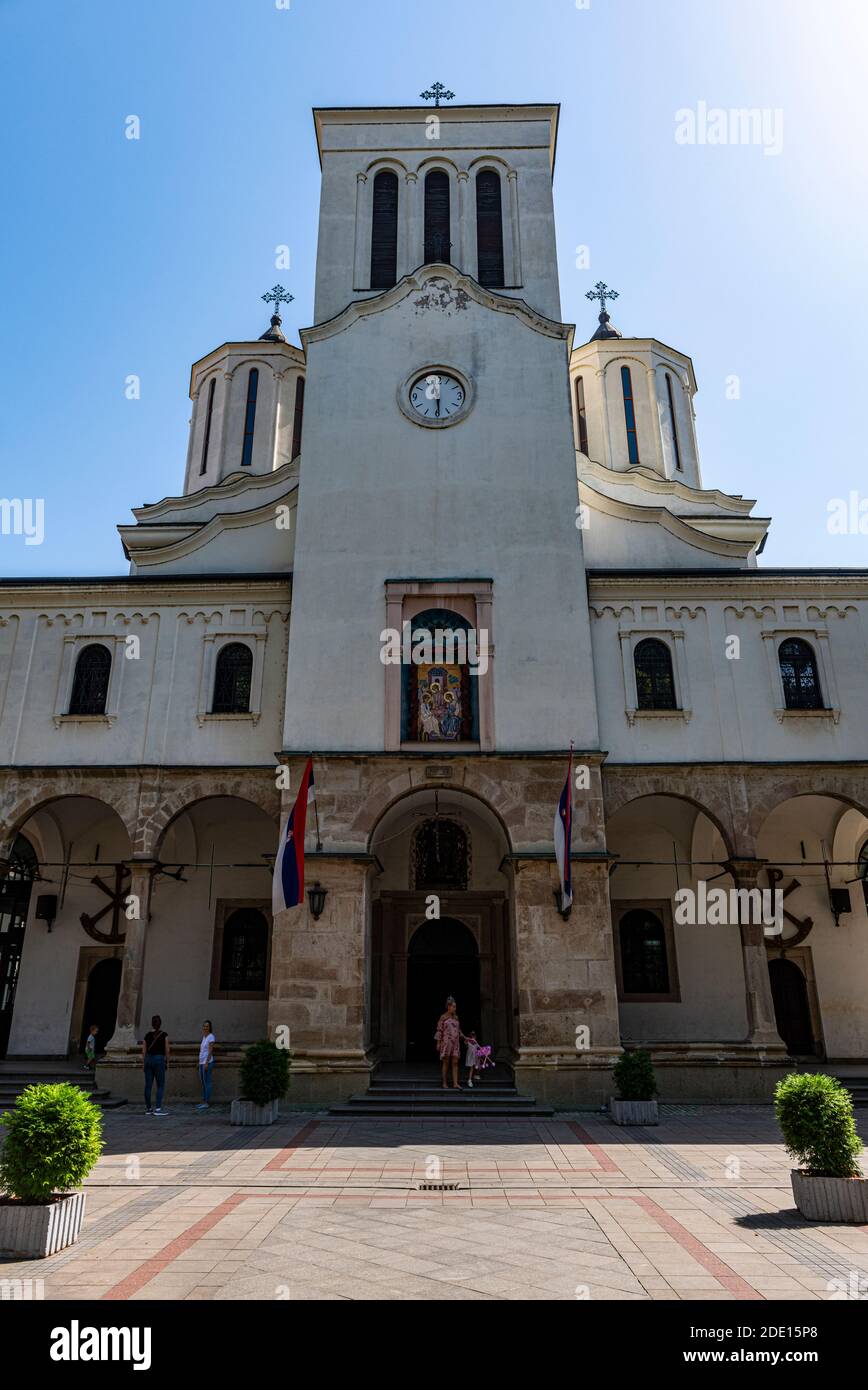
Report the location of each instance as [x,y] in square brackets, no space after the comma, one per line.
[815,1113]
[53,1139]
[637,1087]
[264,1082]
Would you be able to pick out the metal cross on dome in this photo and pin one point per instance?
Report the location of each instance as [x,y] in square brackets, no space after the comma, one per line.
[435,92]
[602,292]
[277,295]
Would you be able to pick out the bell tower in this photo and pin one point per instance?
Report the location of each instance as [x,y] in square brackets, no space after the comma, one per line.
[467,185]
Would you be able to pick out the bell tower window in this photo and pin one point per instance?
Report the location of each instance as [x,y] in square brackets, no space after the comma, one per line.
[672,423]
[298,418]
[489,229]
[630,416]
[384,231]
[437,243]
[208,414]
[581,415]
[249,418]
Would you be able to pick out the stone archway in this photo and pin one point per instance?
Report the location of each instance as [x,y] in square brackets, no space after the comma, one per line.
[442,960]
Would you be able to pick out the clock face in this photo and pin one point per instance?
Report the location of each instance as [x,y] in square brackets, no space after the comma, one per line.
[436,396]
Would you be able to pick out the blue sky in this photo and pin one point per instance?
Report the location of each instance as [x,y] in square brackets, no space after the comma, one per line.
[124,257]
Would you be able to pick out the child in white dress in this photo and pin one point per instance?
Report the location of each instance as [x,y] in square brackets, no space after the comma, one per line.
[470,1060]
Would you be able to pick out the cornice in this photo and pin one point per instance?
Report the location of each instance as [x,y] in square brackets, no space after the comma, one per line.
[649,481]
[136,539]
[681,527]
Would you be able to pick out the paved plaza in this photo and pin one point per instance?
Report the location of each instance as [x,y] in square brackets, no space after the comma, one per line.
[186,1207]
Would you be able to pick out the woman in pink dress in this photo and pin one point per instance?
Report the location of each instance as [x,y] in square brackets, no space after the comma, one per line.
[448,1039]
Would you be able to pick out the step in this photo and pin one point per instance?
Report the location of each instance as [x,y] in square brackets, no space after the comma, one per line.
[430,1110]
[441,1097]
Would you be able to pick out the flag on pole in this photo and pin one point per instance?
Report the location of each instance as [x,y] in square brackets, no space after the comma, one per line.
[564,838]
[287,887]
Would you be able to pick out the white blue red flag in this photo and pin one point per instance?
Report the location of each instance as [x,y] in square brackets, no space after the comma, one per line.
[287,888]
[564,838]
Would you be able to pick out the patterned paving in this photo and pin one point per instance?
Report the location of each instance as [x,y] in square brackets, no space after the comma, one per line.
[570,1208]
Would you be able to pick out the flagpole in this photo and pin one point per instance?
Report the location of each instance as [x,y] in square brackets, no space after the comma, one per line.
[316,812]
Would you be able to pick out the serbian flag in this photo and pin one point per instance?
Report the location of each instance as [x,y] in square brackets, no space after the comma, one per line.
[564,837]
[287,887]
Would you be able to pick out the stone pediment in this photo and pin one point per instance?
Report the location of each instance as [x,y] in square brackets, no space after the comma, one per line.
[443,291]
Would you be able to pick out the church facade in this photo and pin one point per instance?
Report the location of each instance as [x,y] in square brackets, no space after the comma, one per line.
[445,551]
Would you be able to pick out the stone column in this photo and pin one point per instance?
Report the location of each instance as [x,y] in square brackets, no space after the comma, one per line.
[127,1032]
[566,982]
[762,1030]
[317,991]
[512,178]
[465,238]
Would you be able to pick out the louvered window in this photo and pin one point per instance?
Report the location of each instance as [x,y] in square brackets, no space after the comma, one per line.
[489,228]
[581,415]
[384,231]
[437,243]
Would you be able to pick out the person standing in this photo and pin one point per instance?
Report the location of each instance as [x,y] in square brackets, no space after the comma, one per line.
[448,1038]
[155,1058]
[206,1064]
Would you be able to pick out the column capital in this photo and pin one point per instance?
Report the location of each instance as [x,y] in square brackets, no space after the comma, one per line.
[745,869]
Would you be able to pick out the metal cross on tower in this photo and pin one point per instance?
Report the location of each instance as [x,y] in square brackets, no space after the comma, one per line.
[435,92]
[602,292]
[277,295]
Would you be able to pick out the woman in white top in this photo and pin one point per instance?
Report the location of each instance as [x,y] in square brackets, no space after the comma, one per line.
[206,1064]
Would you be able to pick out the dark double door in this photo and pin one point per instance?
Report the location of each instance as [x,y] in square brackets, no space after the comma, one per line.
[792,1008]
[416,963]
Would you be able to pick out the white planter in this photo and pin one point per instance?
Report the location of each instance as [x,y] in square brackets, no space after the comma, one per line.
[246,1112]
[634,1112]
[831,1199]
[41,1230]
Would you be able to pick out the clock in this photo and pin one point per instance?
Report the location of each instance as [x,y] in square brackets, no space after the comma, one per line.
[437,396]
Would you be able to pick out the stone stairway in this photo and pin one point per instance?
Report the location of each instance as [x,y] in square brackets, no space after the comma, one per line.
[857,1086]
[415,1092]
[16,1075]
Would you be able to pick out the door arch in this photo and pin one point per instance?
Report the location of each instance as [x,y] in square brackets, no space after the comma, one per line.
[101,1002]
[442,959]
[792,1009]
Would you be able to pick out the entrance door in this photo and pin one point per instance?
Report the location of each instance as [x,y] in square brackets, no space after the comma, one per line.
[442,959]
[101,1002]
[792,1010]
[15,890]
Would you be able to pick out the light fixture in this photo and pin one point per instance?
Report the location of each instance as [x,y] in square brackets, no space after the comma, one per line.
[316,896]
[46,908]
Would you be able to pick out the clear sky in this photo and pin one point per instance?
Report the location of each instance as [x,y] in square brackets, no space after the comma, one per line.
[124,257]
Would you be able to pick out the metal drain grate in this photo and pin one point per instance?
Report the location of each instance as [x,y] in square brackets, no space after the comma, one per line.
[438,1186]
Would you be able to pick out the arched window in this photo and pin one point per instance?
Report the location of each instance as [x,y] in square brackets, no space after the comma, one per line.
[439,697]
[249,418]
[232,679]
[441,855]
[244,953]
[384,231]
[655,683]
[209,410]
[799,675]
[862,863]
[581,415]
[672,423]
[91,680]
[298,418]
[644,958]
[489,228]
[630,416]
[437,243]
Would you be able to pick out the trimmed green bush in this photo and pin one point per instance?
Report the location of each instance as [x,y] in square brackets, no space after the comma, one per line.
[53,1139]
[264,1073]
[815,1113]
[634,1076]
